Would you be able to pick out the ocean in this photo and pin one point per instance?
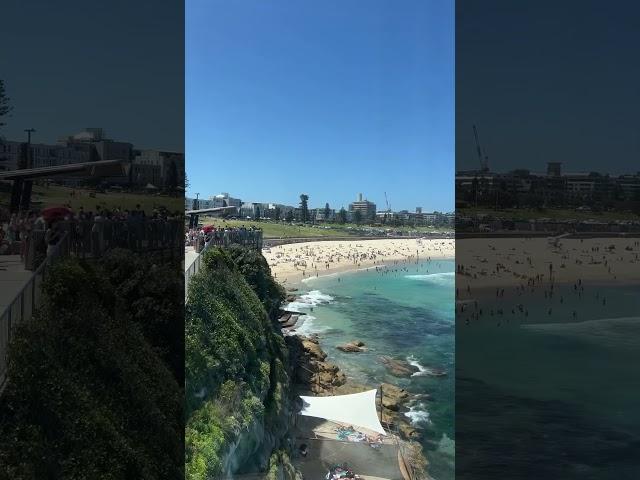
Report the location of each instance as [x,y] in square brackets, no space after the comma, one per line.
[550,385]
[406,313]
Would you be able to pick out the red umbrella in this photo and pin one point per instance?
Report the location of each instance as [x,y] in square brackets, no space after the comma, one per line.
[55,213]
[207,228]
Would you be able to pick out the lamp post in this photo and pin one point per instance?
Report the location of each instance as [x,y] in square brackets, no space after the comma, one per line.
[29,132]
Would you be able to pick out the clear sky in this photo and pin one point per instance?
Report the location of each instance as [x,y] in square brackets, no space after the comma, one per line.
[327,98]
[548,81]
[118,65]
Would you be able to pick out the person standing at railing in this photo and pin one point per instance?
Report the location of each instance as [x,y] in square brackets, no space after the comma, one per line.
[51,237]
[97,233]
[14,228]
[5,244]
[34,232]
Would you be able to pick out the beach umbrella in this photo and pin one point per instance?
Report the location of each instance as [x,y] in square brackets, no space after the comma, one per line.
[55,213]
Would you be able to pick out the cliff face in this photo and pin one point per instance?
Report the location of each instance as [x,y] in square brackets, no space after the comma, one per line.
[238,406]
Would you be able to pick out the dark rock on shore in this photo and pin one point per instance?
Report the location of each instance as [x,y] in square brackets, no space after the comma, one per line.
[354,346]
[398,368]
[311,369]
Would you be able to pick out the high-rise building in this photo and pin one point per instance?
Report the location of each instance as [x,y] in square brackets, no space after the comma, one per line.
[366,208]
[554,169]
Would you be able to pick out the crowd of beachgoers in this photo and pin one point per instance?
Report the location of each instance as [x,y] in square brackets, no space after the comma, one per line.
[294,262]
[500,278]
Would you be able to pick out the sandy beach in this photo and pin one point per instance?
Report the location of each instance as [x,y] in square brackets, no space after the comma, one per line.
[292,263]
[516,262]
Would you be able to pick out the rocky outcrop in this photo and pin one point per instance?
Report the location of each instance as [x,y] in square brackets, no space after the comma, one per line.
[311,370]
[355,346]
[398,368]
[393,398]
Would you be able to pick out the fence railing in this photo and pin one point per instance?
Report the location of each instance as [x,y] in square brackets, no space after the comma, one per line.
[93,239]
[82,239]
[221,238]
[88,238]
[21,309]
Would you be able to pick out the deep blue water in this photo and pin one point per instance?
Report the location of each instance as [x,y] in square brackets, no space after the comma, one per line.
[544,393]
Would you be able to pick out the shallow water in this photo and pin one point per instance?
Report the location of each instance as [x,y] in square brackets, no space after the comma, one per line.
[407,313]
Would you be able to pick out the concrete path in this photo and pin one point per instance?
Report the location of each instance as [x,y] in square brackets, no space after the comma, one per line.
[189,256]
[364,460]
[13,277]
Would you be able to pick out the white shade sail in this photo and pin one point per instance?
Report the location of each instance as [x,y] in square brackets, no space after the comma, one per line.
[355,409]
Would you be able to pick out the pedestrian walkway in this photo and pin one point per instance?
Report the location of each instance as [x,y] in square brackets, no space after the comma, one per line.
[13,277]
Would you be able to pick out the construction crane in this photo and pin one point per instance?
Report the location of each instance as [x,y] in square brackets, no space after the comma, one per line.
[484,159]
[387,201]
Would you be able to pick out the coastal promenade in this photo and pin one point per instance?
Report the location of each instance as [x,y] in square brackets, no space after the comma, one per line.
[21,295]
[21,281]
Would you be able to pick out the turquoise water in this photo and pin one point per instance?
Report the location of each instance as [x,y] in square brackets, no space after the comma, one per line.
[407,312]
[560,391]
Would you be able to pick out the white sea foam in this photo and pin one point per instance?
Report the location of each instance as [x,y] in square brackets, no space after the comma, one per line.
[307,326]
[442,278]
[446,446]
[309,300]
[418,415]
[422,371]
[620,332]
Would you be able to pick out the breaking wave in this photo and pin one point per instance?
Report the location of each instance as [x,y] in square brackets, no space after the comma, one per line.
[309,300]
[442,278]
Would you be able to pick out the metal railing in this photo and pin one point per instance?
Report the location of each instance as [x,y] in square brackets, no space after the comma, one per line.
[81,239]
[23,306]
[193,269]
[221,238]
[88,238]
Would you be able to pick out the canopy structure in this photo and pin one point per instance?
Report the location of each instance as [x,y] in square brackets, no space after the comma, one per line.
[354,409]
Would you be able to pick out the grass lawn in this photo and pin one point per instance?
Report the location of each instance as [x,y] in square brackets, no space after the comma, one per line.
[552,213]
[284,230]
[279,230]
[57,195]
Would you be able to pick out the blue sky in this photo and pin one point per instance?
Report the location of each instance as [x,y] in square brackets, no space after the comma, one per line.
[328,98]
[549,82]
[75,64]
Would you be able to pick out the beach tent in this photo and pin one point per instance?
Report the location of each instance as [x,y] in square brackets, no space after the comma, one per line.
[355,409]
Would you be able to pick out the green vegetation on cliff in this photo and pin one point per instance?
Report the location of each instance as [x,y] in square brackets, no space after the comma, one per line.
[237,383]
[93,388]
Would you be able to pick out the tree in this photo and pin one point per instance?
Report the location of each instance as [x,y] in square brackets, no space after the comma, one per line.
[342,216]
[304,207]
[357,216]
[277,213]
[327,212]
[5,107]
[256,214]
[289,216]
[172,176]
